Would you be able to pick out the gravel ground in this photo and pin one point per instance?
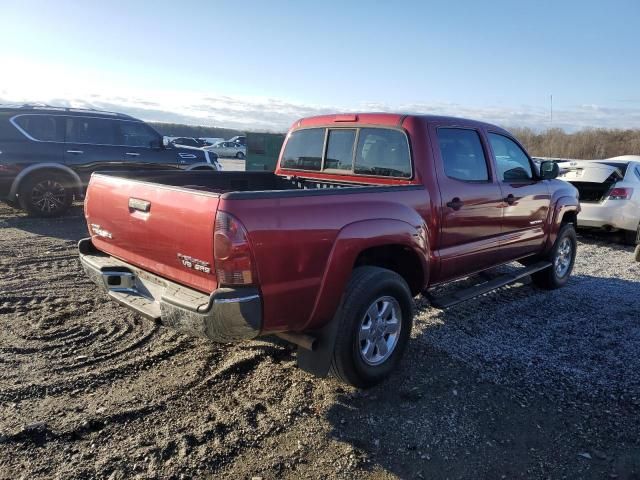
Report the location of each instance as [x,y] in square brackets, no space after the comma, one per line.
[518,383]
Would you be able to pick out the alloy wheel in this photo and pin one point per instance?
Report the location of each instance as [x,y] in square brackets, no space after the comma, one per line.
[380,330]
[48,196]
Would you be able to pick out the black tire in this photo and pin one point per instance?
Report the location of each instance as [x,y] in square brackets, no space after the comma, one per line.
[240,156]
[46,194]
[629,237]
[551,278]
[368,284]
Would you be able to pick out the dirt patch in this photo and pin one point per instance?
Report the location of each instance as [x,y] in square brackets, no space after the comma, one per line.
[519,383]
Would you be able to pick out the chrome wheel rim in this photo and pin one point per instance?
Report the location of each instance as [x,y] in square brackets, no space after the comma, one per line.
[48,196]
[562,260]
[379,330]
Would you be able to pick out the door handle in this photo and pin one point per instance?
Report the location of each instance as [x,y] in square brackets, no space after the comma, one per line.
[456,204]
[75,152]
[139,205]
[132,154]
[510,199]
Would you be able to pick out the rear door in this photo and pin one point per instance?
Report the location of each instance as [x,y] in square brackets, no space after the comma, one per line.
[526,198]
[92,145]
[471,202]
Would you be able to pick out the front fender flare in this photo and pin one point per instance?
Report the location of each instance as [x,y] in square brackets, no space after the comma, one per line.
[562,206]
[202,166]
[350,242]
[15,186]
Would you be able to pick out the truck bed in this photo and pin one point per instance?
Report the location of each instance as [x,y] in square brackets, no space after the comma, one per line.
[154,219]
[222,183]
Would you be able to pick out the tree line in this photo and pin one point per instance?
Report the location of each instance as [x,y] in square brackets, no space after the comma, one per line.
[194,131]
[590,143]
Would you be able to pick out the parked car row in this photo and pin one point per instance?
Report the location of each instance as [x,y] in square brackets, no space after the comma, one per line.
[47,154]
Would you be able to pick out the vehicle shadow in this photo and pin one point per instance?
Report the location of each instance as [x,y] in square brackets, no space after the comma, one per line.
[497,388]
[613,240]
[70,226]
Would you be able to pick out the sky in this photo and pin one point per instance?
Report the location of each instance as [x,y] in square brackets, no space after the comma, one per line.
[261,65]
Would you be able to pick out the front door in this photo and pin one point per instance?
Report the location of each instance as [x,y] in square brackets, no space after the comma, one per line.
[470,203]
[526,199]
[142,147]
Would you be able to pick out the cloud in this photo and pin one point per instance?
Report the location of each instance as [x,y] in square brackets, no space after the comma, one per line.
[90,90]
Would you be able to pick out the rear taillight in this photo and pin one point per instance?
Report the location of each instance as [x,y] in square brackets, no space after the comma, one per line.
[620,193]
[231,251]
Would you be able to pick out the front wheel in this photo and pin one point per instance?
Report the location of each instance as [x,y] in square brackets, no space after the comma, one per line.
[240,156]
[375,320]
[562,258]
[45,195]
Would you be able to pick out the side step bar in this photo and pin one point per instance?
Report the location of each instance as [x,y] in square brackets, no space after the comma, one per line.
[447,301]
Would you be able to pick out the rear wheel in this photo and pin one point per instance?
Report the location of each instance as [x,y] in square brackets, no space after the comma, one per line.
[45,194]
[239,155]
[562,258]
[375,316]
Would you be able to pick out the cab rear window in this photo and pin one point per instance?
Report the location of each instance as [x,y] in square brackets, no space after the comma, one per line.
[354,151]
[304,150]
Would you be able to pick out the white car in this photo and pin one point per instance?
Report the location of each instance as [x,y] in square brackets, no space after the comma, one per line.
[609,193]
[228,150]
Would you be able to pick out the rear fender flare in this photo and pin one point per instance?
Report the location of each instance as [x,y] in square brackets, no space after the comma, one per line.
[350,242]
[562,206]
[15,186]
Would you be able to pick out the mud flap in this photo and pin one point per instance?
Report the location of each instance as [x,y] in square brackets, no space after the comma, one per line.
[318,361]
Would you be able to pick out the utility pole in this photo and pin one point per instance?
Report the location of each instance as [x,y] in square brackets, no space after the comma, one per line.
[550,122]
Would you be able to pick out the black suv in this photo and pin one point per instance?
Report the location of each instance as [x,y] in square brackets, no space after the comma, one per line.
[47,154]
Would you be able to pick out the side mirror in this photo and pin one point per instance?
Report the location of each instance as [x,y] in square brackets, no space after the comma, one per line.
[165,142]
[549,170]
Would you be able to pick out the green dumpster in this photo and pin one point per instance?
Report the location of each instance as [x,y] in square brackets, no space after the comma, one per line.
[263,150]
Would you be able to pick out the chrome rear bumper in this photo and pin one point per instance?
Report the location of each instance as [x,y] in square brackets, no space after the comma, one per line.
[227,315]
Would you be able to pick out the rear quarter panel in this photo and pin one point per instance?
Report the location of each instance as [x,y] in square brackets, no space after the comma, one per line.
[294,242]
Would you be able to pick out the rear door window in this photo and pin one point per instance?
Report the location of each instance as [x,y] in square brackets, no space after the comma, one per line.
[91,130]
[45,128]
[304,149]
[462,154]
[511,161]
[340,150]
[382,152]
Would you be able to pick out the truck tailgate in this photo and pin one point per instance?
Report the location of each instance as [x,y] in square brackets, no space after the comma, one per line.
[161,229]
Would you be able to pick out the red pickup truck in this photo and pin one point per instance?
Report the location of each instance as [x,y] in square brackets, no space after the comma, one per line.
[364,212]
